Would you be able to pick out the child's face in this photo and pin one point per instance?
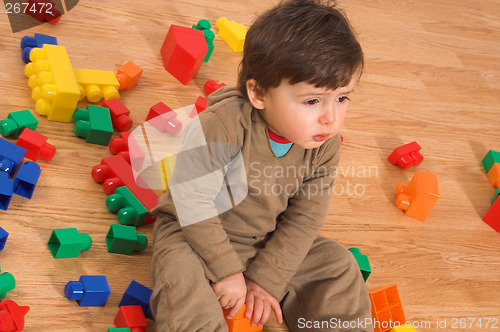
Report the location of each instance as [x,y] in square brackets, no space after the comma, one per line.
[302,113]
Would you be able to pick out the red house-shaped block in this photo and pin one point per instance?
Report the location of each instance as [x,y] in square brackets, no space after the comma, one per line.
[183,52]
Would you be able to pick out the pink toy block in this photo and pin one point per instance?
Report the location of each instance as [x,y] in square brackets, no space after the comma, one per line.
[131,316]
[212,86]
[128,75]
[36,145]
[492,217]
[119,114]
[164,119]
[406,155]
[183,52]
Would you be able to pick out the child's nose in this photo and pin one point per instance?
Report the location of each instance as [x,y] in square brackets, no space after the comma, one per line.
[328,116]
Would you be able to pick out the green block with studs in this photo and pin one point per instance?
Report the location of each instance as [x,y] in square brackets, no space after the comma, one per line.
[94,124]
[16,122]
[363,263]
[123,239]
[130,210]
[491,158]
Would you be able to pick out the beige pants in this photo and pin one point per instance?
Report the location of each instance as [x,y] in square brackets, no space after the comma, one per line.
[326,294]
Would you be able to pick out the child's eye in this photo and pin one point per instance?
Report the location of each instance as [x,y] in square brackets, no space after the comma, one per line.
[312,101]
[343,99]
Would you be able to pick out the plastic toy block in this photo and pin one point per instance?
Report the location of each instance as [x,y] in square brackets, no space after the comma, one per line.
[407,327]
[232,33]
[16,122]
[125,143]
[28,43]
[53,83]
[12,316]
[167,166]
[490,158]
[6,190]
[128,75]
[494,175]
[406,155]
[68,242]
[43,10]
[386,307]
[137,294]
[94,124]
[97,84]
[239,323]
[183,52]
[122,239]
[131,316]
[129,209]
[115,172]
[119,114]
[164,119]
[26,179]
[118,329]
[4,235]
[36,145]
[364,264]
[7,283]
[89,291]
[212,86]
[10,156]
[492,217]
[204,25]
[495,195]
[418,198]
[201,104]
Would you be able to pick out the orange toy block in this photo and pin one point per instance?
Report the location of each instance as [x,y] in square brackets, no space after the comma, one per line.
[494,175]
[128,75]
[418,198]
[386,308]
[239,323]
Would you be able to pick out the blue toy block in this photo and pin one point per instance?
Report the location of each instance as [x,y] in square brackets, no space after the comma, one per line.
[6,190]
[138,294]
[3,238]
[89,291]
[26,179]
[10,156]
[28,43]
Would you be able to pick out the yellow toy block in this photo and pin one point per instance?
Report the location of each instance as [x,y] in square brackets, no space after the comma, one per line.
[96,84]
[53,84]
[232,33]
[404,328]
[166,169]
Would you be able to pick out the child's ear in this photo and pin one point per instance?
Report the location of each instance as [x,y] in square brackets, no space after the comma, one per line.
[255,94]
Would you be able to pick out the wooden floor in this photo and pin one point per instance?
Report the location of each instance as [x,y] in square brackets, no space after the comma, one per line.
[432,75]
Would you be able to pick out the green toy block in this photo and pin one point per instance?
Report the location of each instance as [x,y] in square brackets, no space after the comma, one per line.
[16,122]
[94,124]
[490,158]
[122,239]
[119,329]
[130,210]
[68,242]
[495,195]
[7,283]
[364,264]
[202,25]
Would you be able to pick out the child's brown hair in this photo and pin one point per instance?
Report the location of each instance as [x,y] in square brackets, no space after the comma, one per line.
[302,41]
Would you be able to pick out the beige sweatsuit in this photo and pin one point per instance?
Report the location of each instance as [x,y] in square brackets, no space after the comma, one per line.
[233,206]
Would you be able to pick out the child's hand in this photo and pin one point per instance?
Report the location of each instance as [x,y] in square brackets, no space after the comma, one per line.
[259,304]
[231,293]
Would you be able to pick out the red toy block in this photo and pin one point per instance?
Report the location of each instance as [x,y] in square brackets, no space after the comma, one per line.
[212,86]
[201,104]
[43,10]
[12,316]
[386,308]
[239,323]
[131,316]
[123,145]
[128,75]
[119,114]
[36,145]
[164,119]
[115,172]
[406,155]
[492,217]
[183,52]
[494,175]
